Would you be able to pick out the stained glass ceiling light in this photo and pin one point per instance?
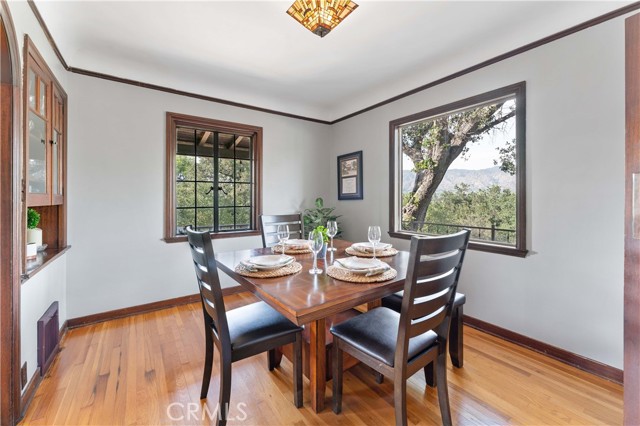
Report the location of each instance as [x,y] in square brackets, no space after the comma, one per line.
[321,16]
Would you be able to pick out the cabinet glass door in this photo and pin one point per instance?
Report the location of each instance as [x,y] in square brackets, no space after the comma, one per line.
[57,147]
[37,154]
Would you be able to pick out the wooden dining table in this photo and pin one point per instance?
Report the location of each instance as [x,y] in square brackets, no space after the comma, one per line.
[309,300]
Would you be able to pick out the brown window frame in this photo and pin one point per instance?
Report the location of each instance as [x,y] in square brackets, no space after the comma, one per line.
[173,120]
[395,194]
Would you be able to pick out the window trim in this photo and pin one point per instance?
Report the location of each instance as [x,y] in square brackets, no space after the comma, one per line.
[173,120]
[395,195]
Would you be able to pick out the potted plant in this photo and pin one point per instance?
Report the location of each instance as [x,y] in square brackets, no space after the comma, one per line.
[34,234]
[318,216]
[325,237]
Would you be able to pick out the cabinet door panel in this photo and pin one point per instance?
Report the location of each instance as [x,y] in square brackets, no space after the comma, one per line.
[37,162]
[57,150]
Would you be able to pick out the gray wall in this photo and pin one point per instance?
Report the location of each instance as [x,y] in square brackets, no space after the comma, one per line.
[569,291]
[117,181]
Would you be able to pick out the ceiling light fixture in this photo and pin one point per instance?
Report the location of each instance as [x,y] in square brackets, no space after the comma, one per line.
[321,16]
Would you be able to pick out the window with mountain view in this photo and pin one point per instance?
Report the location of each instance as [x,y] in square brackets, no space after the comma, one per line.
[462,166]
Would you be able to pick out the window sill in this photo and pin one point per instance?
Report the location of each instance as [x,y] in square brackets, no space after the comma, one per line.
[474,245]
[44,258]
[222,235]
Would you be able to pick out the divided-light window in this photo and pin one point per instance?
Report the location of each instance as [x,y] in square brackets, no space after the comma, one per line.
[462,166]
[213,175]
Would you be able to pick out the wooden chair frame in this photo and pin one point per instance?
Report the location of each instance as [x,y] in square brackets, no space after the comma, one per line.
[432,278]
[217,329]
[269,223]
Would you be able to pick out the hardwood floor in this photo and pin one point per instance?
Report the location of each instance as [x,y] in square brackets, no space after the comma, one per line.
[147,370]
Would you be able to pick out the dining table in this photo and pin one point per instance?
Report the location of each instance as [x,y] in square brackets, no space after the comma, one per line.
[310,300]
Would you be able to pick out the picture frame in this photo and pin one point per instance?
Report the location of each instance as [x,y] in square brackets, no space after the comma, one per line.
[350,182]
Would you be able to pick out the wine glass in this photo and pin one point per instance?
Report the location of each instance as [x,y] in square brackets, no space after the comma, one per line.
[332,230]
[283,235]
[316,241]
[374,237]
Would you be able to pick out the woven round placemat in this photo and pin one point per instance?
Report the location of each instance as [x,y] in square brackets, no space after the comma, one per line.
[344,275]
[278,250]
[290,269]
[385,253]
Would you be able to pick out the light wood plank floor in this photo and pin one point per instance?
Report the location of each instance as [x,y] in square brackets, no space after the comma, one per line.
[147,370]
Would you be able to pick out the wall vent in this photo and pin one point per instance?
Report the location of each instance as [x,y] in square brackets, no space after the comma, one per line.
[48,337]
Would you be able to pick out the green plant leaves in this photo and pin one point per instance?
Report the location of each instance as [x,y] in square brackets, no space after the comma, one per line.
[318,216]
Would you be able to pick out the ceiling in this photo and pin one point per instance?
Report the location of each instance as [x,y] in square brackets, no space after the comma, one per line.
[253,52]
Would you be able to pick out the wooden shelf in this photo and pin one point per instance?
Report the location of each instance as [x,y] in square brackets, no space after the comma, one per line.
[42,259]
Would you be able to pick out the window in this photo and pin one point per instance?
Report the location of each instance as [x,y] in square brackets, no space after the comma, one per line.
[213,177]
[462,165]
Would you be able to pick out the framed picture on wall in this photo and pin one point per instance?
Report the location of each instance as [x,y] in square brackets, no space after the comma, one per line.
[350,176]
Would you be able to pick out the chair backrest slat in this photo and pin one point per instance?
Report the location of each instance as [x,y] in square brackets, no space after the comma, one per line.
[269,225]
[429,305]
[435,265]
[432,278]
[429,323]
[206,269]
[434,285]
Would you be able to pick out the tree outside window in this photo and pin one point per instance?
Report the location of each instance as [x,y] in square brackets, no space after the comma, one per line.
[462,166]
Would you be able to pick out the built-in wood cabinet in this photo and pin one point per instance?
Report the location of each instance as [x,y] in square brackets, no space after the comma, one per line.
[45,117]
[45,152]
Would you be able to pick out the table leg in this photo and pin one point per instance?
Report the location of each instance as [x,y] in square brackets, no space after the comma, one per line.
[317,364]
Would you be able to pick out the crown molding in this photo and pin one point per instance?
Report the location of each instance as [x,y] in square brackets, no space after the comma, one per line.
[541,42]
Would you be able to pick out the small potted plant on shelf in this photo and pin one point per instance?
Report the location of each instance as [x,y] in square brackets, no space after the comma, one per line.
[325,237]
[34,234]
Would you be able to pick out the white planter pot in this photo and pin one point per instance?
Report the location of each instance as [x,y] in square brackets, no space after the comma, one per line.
[34,236]
[32,250]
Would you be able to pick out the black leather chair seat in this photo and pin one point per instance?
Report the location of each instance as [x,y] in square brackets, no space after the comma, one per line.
[395,301]
[257,324]
[376,333]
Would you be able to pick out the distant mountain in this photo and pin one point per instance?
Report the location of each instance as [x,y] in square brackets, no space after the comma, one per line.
[476,179]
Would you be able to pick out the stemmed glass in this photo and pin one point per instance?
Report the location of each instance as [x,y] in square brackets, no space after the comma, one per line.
[316,241]
[332,230]
[283,235]
[374,238]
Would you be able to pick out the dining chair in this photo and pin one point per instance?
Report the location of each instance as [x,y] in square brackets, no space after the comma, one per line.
[269,225]
[238,333]
[398,345]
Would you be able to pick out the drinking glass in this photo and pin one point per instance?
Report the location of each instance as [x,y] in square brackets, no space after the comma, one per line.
[316,241]
[374,237]
[332,230]
[283,235]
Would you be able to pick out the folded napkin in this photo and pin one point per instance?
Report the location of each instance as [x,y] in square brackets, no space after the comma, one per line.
[295,244]
[368,247]
[255,268]
[375,269]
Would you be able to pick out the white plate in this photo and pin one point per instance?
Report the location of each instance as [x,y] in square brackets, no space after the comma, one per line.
[369,247]
[359,264]
[270,260]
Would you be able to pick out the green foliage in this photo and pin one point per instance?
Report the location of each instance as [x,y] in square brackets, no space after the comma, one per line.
[507,158]
[318,216]
[493,206]
[200,194]
[33,218]
[325,236]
